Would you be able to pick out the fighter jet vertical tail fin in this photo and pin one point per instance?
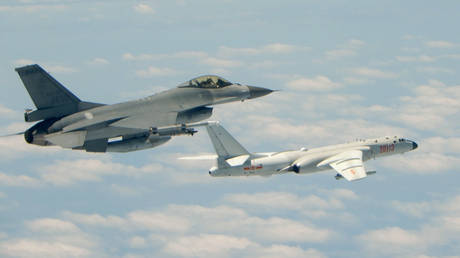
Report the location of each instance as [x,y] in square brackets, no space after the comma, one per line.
[225,145]
[50,97]
[45,91]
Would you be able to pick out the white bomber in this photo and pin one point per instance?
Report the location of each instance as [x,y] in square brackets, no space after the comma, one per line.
[347,159]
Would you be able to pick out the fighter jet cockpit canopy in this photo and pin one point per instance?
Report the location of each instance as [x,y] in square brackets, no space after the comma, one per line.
[206,81]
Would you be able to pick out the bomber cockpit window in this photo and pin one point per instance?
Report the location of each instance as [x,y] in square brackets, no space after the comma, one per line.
[207,81]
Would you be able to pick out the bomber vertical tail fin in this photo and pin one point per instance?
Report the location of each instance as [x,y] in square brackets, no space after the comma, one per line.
[225,145]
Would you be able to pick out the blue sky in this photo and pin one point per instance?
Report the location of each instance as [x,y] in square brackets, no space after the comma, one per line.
[345,70]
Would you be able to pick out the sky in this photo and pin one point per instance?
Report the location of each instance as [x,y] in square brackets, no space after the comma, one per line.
[345,70]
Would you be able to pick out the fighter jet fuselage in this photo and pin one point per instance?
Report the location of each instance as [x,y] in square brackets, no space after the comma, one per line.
[68,122]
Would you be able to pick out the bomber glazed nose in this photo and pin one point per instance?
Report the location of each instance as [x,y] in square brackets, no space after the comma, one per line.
[414,145]
[255,92]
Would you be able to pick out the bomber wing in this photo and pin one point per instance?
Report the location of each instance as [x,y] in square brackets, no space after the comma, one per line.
[348,164]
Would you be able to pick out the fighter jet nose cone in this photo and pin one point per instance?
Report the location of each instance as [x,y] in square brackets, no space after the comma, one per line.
[414,145]
[255,92]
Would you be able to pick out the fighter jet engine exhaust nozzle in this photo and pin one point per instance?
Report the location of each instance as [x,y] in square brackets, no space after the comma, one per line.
[255,92]
[36,134]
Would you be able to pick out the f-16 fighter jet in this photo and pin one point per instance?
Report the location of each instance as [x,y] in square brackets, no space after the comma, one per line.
[347,159]
[145,123]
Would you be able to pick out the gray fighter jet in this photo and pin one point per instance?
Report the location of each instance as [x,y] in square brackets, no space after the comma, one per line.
[347,159]
[145,123]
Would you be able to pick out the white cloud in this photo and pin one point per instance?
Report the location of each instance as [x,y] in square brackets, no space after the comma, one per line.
[37,248]
[14,147]
[205,245]
[339,53]
[97,220]
[357,81]
[318,83]
[343,193]
[143,8]
[91,170]
[439,44]
[137,242]
[442,145]
[279,48]
[18,180]
[283,201]
[152,71]
[178,55]
[140,57]
[221,71]
[440,227]
[409,37]
[400,240]
[373,73]
[182,219]
[433,107]
[449,207]
[82,170]
[275,251]
[126,190]
[23,61]
[99,61]
[49,225]
[189,54]
[283,230]
[355,43]
[7,113]
[33,8]
[416,209]
[452,56]
[219,62]
[274,48]
[422,163]
[434,70]
[322,132]
[230,220]
[52,68]
[158,221]
[421,58]
[59,69]
[347,50]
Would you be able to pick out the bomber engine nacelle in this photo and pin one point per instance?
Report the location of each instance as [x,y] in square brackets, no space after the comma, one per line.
[304,163]
[138,143]
[194,115]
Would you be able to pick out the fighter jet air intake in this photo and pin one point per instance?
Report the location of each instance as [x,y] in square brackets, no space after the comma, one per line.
[64,120]
[347,159]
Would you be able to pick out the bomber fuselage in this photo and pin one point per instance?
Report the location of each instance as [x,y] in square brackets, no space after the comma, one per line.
[308,159]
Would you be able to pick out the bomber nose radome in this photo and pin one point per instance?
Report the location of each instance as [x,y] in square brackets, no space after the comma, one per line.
[255,92]
[414,145]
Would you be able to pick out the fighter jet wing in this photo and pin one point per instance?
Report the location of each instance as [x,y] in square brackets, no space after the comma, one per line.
[349,164]
[140,121]
[147,120]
